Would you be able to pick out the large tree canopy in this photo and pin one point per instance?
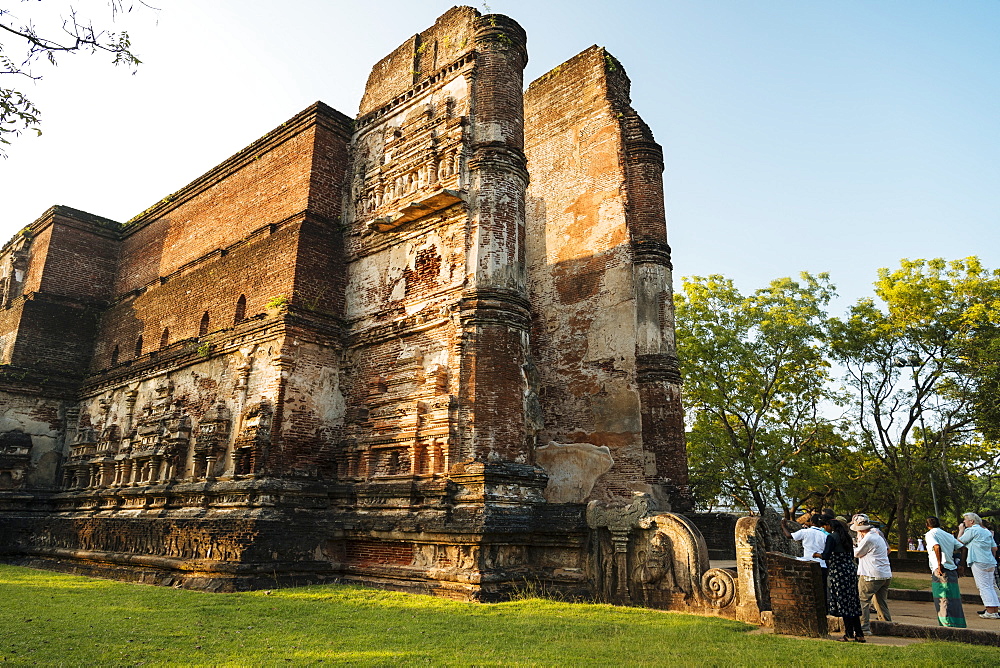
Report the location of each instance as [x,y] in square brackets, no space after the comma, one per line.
[755,379]
[915,363]
[921,361]
[26,43]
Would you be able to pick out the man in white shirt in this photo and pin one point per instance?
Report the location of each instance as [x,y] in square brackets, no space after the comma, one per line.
[874,573]
[813,539]
[941,545]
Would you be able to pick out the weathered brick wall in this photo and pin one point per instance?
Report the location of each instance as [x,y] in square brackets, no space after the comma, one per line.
[495,309]
[419,57]
[38,250]
[798,602]
[260,267]
[320,272]
[42,420]
[55,276]
[719,531]
[402,417]
[360,553]
[580,269]
[82,257]
[266,183]
[656,355]
[55,336]
[445,140]
[599,275]
[312,410]
[10,319]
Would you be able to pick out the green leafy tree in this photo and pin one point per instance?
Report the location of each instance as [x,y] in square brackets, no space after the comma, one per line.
[755,381]
[24,45]
[982,355]
[908,363]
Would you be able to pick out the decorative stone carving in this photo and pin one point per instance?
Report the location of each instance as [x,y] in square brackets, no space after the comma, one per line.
[254,436]
[109,441]
[211,440]
[753,541]
[13,269]
[15,458]
[719,588]
[573,468]
[77,472]
[414,169]
[658,560]
[534,416]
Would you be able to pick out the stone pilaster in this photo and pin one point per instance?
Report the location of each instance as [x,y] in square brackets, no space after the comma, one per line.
[494,309]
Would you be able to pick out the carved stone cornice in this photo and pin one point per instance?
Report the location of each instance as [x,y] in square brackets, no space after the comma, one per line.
[657,367]
[651,251]
[499,156]
[485,306]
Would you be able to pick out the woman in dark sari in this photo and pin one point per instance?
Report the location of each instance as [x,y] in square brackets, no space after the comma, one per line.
[842,598]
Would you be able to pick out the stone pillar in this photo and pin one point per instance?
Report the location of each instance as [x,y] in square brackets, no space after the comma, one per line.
[107,474]
[798,602]
[620,539]
[130,399]
[495,310]
[232,463]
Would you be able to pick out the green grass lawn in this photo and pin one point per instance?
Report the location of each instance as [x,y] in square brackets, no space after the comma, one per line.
[50,619]
[909,583]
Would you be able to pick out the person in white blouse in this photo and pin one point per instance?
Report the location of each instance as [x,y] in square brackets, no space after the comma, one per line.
[983,560]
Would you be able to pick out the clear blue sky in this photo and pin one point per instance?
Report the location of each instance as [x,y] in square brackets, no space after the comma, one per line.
[804,135]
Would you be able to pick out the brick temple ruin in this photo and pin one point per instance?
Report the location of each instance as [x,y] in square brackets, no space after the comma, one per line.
[429,348]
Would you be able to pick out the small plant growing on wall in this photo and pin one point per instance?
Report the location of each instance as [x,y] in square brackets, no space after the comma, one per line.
[204,350]
[279,303]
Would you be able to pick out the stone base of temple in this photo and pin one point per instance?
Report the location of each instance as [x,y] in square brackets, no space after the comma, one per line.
[483,535]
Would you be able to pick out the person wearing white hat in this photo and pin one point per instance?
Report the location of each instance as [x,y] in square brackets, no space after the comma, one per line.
[861,518]
[874,572]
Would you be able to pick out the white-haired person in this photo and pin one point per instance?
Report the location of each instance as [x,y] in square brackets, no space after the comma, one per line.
[982,559]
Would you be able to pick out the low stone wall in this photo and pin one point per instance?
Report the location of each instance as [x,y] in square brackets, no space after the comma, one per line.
[798,604]
[969,636]
[925,595]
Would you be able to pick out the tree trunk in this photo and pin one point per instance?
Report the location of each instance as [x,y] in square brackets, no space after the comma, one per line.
[903,519]
[759,500]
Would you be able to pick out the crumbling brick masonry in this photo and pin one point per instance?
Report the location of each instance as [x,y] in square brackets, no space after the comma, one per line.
[404,349]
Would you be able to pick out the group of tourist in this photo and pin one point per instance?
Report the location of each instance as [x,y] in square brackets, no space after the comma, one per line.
[852,588]
[943,549]
[854,558]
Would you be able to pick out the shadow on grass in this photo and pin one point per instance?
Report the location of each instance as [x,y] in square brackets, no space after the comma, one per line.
[55,619]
